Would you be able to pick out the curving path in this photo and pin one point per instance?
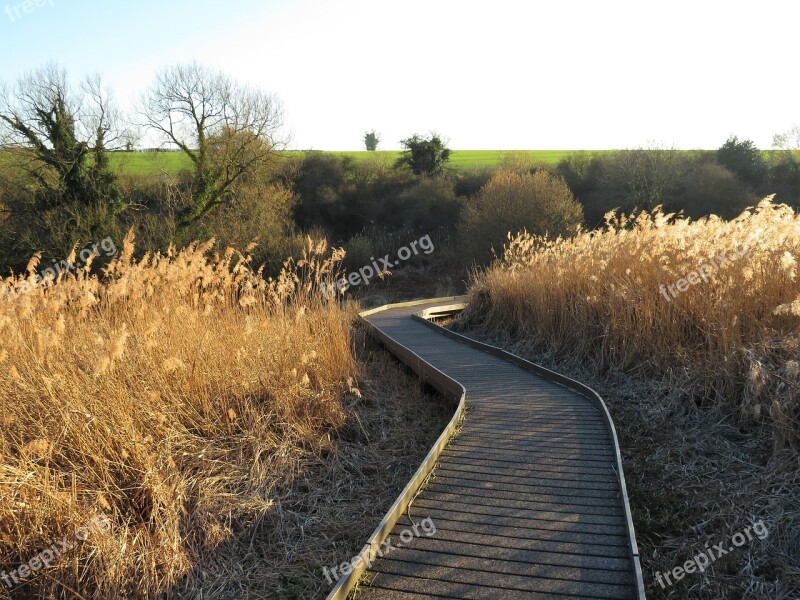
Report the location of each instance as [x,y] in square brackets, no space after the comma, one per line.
[525,487]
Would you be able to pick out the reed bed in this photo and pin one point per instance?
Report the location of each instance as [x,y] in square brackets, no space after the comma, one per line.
[173,399]
[726,337]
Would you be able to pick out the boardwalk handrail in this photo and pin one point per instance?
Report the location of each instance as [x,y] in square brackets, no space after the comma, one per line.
[454,391]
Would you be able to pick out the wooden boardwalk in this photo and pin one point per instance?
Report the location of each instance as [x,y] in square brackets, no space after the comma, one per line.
[527,499]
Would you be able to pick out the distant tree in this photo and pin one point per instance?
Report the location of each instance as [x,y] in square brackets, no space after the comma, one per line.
[228,131]
[743,159]
[130,139]
[425,156]
[641,178]
[59,136]
[784,168]
[371,140]
[787,141]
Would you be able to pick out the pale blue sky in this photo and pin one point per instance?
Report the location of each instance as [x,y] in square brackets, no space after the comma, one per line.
[486,75]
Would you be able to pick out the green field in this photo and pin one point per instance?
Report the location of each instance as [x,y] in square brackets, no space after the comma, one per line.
[155,163]
[149,163]
[470,159]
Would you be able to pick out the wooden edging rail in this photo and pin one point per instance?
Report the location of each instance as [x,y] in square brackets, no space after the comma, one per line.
[450,389]
[454,391]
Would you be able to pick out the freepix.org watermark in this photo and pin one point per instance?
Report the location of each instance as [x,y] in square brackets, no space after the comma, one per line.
[366,273]
[700,562]
[707,270]
[427,526]
[50,274]
[16,11]
[47,557]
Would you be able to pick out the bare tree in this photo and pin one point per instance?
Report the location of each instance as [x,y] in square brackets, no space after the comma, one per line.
[227,130]
[789,140]
[59,135]
[643,178]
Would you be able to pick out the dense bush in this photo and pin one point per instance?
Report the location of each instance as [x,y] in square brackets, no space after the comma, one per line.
[630,180]
[689,181]
[427,206]
[425,156]
[342,197]
[642,178]
[744,160]
[53,231]
[260,213]
[784,177]
[321,182]
[468,183]
[540,203]
[708,188]
[359,251]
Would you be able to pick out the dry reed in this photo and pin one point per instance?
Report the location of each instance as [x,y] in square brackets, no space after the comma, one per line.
[175,395]
[729,342]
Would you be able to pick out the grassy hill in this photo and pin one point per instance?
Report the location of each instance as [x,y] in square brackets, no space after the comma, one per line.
[153,163]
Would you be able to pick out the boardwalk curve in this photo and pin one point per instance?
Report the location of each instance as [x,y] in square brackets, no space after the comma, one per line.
[524,488]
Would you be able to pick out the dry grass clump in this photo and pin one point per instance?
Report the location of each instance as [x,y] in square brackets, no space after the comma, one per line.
[597,297]
[176,396]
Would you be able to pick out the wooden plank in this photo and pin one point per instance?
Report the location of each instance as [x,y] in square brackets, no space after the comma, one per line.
[497,559]
[539,462]
[482,497]
[527,543]
[529,451]
[436,571]
[542,501]
[576,524]
[423,506]
[524,468]
[596,498]
[539,480]
[469,525]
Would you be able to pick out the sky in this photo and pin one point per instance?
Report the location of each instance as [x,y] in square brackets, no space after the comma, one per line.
[499,75]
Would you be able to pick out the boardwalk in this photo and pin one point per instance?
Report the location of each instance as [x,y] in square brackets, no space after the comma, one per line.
[525,499]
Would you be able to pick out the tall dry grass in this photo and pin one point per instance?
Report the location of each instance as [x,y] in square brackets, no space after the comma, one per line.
[731,342]
[173,395]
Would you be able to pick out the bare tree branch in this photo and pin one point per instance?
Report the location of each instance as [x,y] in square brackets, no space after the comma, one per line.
[228,131]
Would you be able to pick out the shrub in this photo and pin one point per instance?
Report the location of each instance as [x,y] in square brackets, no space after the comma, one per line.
[784,176]
[642,178]
[469,182]
[581,171]
[539,203]
[709,188]
[28,228]
[428,206]
[744,160]
[521,161]
[321,181]
[359,251]
[260,212]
